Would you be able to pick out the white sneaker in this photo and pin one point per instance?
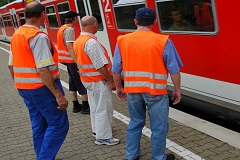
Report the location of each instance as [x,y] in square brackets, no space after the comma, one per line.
[110,142]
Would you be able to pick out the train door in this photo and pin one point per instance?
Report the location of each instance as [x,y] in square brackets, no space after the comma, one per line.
[94,8]
[2,26]
[14,18]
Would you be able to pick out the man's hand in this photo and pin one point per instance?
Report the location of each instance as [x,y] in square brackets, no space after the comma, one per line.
[62,102]
[121,94]
[176,97]
[112,85]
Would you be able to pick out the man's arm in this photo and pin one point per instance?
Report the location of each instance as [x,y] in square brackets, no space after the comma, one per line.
[71,51]
[69,38]
[10,67]
[43,59]
[117,70]
[49,81]
[176,94]
[10,64]
[118,81]
[105,73]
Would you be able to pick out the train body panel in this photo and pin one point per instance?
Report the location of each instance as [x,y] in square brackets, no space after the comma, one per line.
[210,58]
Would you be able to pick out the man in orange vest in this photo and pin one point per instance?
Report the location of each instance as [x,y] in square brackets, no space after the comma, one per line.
[95,71]
[204,16]
[65,39]
[146,58]
[33,65]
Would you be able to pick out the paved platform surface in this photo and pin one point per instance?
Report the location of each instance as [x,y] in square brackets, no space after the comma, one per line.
[16,142]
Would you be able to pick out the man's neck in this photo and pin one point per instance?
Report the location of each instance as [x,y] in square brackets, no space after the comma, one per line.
[33,22]
[69,24]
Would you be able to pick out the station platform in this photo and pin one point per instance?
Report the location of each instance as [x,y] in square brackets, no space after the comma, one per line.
[186,141]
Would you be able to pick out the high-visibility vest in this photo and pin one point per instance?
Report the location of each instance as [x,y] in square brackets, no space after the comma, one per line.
[204,20]
[88,73]
[63,53]
[24,66]
[142,62]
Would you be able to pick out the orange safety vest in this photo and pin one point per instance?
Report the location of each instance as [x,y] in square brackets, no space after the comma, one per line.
[142,62]
[88,73]
[204,20]
[63,54]
[24,65]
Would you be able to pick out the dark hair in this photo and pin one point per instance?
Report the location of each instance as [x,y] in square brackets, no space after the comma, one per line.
[34,11]
[70,16]
[140,23]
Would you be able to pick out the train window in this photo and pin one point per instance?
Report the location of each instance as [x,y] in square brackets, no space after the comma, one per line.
[21,18]
[7,21]
[1,23]
[62,9]
[90,8]
[96,13]
[125,11]
[186,16]
[52,18]
[15,23]
[81,8]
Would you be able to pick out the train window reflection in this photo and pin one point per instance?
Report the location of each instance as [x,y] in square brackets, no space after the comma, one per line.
[52,18]
[21,18]
[186,16]
[96,13]
[125,11]
[62,9]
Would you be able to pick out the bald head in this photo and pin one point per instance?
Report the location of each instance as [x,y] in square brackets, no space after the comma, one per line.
[34,9]
[88,21]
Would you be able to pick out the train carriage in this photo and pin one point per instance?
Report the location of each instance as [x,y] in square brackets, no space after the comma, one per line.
[210,56]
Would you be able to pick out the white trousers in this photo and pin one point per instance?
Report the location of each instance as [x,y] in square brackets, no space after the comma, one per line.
[101,108]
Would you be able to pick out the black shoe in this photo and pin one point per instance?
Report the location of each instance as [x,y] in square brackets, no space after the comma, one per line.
[85,110]
[77,109]
[136,158]
[170,157]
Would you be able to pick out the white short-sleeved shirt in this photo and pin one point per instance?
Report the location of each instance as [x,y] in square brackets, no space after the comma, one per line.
[41,49]
[69,35]
[95,51]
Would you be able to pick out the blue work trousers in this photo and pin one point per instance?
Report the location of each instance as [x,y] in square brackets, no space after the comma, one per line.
[49,125]
[158,110]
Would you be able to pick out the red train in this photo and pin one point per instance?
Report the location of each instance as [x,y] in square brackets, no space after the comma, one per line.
[210,57]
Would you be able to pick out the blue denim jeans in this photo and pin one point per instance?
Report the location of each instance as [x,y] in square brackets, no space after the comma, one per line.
[158,110]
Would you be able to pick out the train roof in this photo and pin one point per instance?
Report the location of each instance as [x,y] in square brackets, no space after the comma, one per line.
[14,2]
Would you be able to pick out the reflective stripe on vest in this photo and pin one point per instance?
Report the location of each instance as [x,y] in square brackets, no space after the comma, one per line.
[65,57]
[90,66]
[31,80]
[139,83]
[32,71]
